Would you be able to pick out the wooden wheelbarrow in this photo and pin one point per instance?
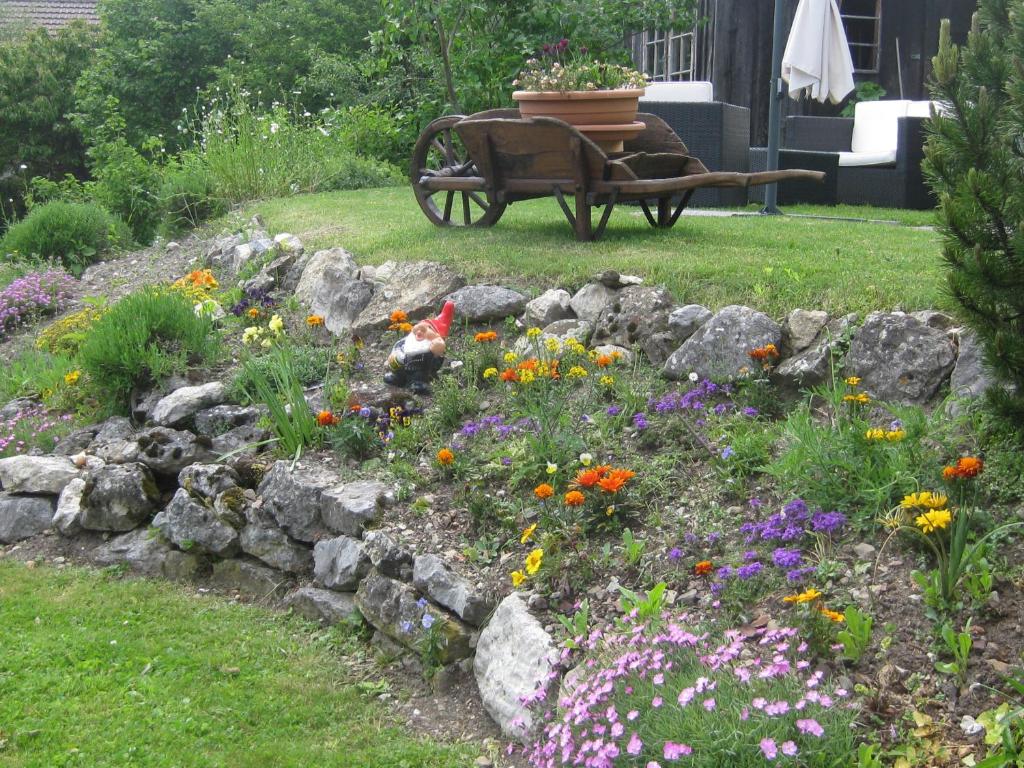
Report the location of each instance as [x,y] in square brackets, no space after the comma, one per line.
[465,171]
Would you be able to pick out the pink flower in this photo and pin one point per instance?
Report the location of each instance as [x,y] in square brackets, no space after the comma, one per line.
[789,748]
[656,702]
[653,764]
[635,745]
[674,750]
[709,705]
[810,726]
[632,715]
[686,696]
[769,749]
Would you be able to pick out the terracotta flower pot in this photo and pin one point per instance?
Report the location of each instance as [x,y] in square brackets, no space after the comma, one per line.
[605,117]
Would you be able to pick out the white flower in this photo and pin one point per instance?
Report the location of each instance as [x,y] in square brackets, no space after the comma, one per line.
[586,459]
[552,468]
[693,376]
[274,127]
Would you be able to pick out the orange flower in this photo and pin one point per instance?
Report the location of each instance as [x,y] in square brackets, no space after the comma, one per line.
[603,361]
[615,479]
[252,312]
[314,320]
[485,336]
[588,478]
[445,457]
[966,467]
[765,352]
[528,365]
[574,499]
[553,369]
[509,374]
[835,616]
[326,419]
[398,316]
[703,568]
[543,491]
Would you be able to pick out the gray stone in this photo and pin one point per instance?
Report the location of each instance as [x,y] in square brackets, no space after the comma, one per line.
[141,550]
[167,451]
[801,328]
[814,365]
[387,556]
[13,408]
[118,497]
[684,321]
[270,544]
[293,497]
[68,517]
[612,279]
[243,439]
[289,243]
[340,563]
[248,578]
[550,306]
[720,348]
[864,551]
[635,314]
[514,657]
[76,441]
[970,377]
[481,303]
[344,269]
[182,566]
[37,474]
[273,274]
[192,526]
[899,359]
[223,418]
[142,401]
[208,480]
[431,576]
[658,346]
[177,408]
[115,441]
[24,516]
[394,609]
[416,287]
[322,605]
[340,299]
[349,508]
[562,330]
[590,301]
[935,319]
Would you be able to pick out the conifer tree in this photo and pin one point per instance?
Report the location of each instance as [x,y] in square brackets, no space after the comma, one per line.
[975,164]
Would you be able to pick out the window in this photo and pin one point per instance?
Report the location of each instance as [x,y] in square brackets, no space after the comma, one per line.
[863,22]
[664,55]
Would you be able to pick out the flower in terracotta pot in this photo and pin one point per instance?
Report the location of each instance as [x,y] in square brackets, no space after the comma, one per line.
[560,67]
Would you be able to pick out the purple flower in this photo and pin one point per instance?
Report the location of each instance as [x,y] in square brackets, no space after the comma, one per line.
[613,410]
[640,421]
[787,558]
[749,571]
[751,412]
[728,452]
[799,574]
[769,748]
[427,621]
[406,627]
[811,727]
[421,603]
[795,509]
[675,553]
[506,461]
[720,409]
[827,522]
[725,572]
[756,502]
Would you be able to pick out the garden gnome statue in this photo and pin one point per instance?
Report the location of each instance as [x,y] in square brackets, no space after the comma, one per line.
[415,359]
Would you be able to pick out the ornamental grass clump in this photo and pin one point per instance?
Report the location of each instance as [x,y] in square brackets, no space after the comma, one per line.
[33,295]
[660,696]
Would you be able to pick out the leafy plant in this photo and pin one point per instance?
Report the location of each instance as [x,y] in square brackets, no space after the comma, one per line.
[73,233]
[1004,730]
[958,644]
[276,384]
[648,607]
[632,548]
[563,68]
[856,637]
[576,626]
[866,90]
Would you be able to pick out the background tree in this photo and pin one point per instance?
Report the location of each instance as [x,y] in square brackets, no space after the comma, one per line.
[975,163]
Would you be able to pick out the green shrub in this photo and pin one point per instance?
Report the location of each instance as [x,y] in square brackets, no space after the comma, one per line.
[308,364]
[187,196]
[142,339]
[73,233]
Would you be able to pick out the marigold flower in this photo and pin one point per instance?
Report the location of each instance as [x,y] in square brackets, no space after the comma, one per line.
[509,374]
[314,320]
[852,381]
[966,467]
[924,499]
[615,479]
[533,333]
[71,378]
[445,457]
[768,351]
[403,327]
[574,499]
[485,336]
[253,312]
[804,597]
[527,533]
[326,419]
[528,365]
[490,373]
[703,568]
[860,398]
[831,615]
[603,361]
[543,491]
[533,561]
[933,520]
[518,577]
[588,478]
[398,316]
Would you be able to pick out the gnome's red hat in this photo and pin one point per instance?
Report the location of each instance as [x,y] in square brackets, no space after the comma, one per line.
[443,321]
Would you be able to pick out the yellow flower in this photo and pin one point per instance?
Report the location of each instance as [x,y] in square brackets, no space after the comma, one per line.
[253,312]
[533,333]
[533,561]
[266,343]
[835,616]
[527,377]
[935,520]
[510,357]
[875,434]
[314,320]
[276,324]
[552,468]
[895,435]
[250,334]
[607,381]
[552,344]
[574,346]
[586,459]
[610,511]
[804,597]
[518,577]
[924,499]
[576,372]
[860,398]
[72,377]
[527,534]
[490,373]
[853,381]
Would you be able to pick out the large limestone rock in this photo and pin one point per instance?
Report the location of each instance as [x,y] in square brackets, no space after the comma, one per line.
[636,313]
[312,290]
[249,578]
[801,328]
[68,517]
[340,299]
[481,303]
[22,517]
[395,609]
[37,474]
[684,321]
[387,556]
[514,658]
[118,497]
[208,480]
[720,348]
[899,359]
[223,418]
[268,543]
[142,550]
[167,451]
[814,365]
[349,508]
[322,605]
[183,403]
[431,576]
[293,498]
[550,306]
[591,300]
[115,441]
[970,377]
[190,525]
[416,287]
[340,563]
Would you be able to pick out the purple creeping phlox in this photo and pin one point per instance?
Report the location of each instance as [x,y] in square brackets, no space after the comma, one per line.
[32,427]
[34,294]
[753,696]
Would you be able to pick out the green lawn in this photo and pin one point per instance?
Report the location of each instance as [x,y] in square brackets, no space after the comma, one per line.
[99,671]
[772,263]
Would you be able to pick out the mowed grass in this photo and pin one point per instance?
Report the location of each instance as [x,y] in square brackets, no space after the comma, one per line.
[99,671]
[774,264]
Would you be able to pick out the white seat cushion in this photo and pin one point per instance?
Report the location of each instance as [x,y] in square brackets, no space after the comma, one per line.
[920,109]
[874,125]
[851,159]
[697,90]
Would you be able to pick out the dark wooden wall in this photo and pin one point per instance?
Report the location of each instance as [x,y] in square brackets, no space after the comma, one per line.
[740,65]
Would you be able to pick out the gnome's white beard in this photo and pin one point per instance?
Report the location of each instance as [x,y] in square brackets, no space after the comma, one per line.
[414,346]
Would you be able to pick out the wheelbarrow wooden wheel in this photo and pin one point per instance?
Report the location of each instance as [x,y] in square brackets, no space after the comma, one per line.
[440,153]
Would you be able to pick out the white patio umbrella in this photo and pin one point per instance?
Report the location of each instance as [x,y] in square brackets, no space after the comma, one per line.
[817,60]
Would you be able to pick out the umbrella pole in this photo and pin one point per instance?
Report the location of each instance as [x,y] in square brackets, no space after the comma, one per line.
[771,191]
